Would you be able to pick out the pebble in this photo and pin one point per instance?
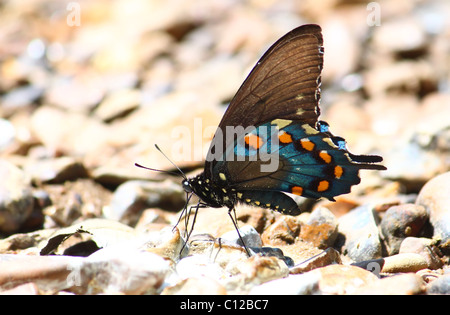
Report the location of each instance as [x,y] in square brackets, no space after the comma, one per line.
[23,289]
[425,247]
[407,262]
[104,232]
[221,252]
[254,271]
[77,134]
[321,229]
[166,242]
[21,97]
[342,279]
[439,286]
[72,200]
[19,269]
[200,266]
[120,272]
[195,286]
[132,197]
[305,284]
[248,233]
[403,284]
[118,104]
[327,257]
[359,234]
[7,133]
[400,222]
[400,35]
[56,170]
[16,198]
[283,231]
[299,251]
[435,198]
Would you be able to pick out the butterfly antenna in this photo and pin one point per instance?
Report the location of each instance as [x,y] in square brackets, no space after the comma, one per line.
[181,172]
[156,170]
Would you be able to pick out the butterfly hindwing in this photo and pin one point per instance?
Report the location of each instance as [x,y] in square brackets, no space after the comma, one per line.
[289,156]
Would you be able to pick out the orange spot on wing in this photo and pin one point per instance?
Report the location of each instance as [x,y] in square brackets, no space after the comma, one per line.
[253,141]
[297,190]
[338,171]
[307,144]
[285,137]
[323,185]
[325,156]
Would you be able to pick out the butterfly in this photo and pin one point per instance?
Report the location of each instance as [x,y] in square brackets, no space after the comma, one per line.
[270,141]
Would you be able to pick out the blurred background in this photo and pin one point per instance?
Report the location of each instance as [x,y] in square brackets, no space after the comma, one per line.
[88,87]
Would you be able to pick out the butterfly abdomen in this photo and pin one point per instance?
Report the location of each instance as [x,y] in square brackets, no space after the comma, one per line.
[273,200]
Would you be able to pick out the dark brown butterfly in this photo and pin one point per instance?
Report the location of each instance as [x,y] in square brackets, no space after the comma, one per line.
[270,141]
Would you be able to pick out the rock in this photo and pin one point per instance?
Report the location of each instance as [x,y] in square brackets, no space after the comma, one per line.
[21,97]
[254,271]
[7,133]
[132,197]
[359,234]
[259,218]
[25,241]
[56,171]
[400,36]
[248,234]
[151,217]
[118,104]
[72,200]
[167,243]
[413,77]
[320,229]
[400,222]
[124,271]
[196,286]
[408,262]
[49,273]
[200,266]
[305,284]
[435,198]
[16,198]
[439,286]
[218,251]
[325,258]
[24,289]
[425,247]
[404,284]
[102,231]
[299,251]
[80,93]
[212,221]
[284,231]
[272,252]
[342,279]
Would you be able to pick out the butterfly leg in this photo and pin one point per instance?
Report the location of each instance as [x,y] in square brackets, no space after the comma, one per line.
[188,198]
[188,214]
[234,220]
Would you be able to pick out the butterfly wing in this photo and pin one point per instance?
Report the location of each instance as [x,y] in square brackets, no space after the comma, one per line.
[270,140]
[293,157]
[284,84]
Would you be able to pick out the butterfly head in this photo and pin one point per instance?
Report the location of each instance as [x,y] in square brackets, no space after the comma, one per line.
[187,186]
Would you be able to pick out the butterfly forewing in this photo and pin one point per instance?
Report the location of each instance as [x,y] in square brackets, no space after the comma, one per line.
[284,84]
